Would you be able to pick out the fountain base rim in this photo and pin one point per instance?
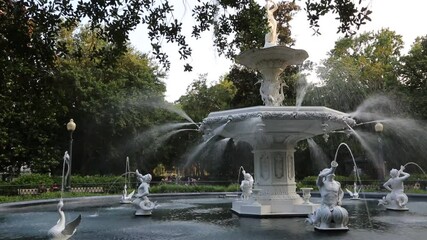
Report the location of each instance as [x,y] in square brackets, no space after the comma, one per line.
[269,215]
[397,209]
[322,229]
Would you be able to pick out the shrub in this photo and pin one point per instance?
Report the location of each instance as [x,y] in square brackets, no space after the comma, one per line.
[310,181]
[177,188]
[35,179]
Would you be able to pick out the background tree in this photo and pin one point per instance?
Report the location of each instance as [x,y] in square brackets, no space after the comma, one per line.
[247,89]
[35,50]
[111,105]
[413,73]
[202,99]
[117,18]
[349,14]
[27,86]
[363,76]
[356,68]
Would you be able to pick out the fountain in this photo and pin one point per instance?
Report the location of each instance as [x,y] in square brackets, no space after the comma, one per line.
[143,205]
[273,130]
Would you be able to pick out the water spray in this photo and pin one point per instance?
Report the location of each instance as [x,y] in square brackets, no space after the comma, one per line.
[238,176]
[357,175]
[412,163]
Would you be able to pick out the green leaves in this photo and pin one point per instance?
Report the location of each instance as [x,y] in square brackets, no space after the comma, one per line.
[349,15]
[202,99]
[414,76]
[358,67]
[34,26]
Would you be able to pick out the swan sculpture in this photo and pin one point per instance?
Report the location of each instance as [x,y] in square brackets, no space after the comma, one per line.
[62,231]
[354,195]
[127,198]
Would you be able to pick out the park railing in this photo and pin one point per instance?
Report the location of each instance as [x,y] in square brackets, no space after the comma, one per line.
[115,187]
[372,185]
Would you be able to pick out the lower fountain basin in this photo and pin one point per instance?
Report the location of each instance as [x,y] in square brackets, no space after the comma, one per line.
[206,218]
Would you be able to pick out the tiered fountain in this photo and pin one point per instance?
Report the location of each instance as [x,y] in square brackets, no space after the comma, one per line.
[274,130]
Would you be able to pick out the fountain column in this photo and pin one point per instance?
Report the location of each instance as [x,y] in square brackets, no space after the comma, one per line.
[274,171]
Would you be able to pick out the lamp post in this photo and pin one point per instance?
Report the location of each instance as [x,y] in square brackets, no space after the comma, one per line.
[379,129]
[71,126]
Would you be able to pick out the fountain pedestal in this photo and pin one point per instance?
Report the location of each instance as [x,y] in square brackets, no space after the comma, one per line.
[394,207]
[144,207]
[275,177]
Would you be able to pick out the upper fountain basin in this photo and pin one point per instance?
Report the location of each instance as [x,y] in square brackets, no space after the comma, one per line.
[284,124]
[271,57]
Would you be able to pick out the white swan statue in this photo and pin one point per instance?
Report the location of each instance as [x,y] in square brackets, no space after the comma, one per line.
[127,198]
[62,231]
[354,195]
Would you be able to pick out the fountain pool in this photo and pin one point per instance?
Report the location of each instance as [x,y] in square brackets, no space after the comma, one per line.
[205,218]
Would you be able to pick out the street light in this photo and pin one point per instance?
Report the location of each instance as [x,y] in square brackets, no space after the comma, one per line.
[379,127]
[71,126]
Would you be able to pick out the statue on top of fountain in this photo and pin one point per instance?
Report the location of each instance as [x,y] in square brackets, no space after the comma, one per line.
[330,215]
[246,185]
[143,205]
[271,36]
[396,199]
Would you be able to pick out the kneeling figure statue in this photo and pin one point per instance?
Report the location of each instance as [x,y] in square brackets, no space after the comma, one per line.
[396,199]
[142,204]
[330,215]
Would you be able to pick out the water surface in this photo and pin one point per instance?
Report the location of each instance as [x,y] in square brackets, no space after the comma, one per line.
[207,218]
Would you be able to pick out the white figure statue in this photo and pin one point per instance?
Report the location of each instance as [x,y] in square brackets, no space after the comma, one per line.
[396,199]
[330,215]
[269,96]
[143,189]
[143,205]
[246,185]
[271,36]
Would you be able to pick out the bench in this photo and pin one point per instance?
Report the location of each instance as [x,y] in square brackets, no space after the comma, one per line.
[87,189]
[28,191]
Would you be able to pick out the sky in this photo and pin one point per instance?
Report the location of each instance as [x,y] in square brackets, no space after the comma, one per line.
[406,17]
